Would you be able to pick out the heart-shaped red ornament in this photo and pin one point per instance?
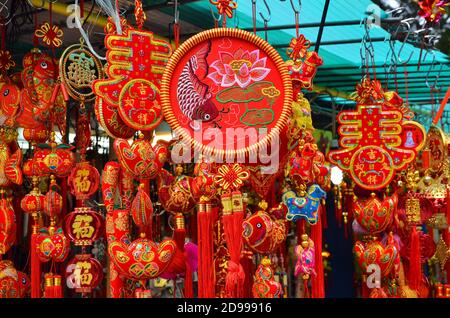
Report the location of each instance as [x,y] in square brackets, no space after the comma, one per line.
[143,258]
[139,159]
[374,252]
[176,194]
[373,214]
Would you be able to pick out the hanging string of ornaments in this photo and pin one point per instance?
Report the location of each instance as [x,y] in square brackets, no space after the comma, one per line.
[217,222]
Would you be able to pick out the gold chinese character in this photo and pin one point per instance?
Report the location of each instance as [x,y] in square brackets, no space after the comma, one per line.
[143,89]
[81,181]
[84,273]
[372,179]
[82,226]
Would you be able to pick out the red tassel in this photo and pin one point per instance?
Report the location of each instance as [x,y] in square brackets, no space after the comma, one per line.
[58,287]
[247,265]
[206,281]
[317,282]
[49,289]
[232,224]
[188,288]
[179,237]
[415,266]
[35,270]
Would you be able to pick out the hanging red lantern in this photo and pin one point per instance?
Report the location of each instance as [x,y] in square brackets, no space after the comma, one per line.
[33,202]
[83,226]
[83,273]
[83,180]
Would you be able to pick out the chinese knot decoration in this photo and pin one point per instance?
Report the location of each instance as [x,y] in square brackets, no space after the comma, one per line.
[50,34]
[376,141]
[6,61]
[225,6]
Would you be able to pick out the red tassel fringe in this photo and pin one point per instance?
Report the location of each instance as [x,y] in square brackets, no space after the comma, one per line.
[317,282]
[206,281]
[232,224]
[35,270]
[415,266]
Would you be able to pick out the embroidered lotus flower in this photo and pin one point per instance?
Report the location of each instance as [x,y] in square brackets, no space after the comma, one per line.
[241,68]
